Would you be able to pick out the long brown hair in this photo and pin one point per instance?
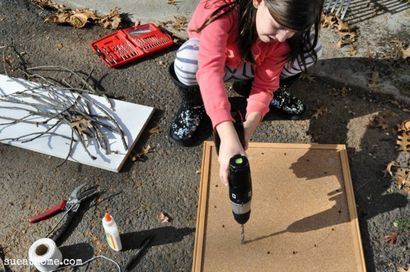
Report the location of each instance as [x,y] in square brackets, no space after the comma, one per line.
[299,15]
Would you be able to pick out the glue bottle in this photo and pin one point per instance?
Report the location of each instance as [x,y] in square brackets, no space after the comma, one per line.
[111,232]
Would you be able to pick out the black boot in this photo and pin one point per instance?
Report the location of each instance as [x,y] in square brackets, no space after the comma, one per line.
[282,99]
[190,115]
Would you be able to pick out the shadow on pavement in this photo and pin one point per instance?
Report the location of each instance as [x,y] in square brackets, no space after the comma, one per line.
[347,118]
[360,10]
[161,236]
[81,251]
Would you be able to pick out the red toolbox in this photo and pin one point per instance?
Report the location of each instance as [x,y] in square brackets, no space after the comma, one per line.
[129,44]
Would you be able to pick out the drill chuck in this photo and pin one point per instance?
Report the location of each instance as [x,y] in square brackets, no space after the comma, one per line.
[240,188]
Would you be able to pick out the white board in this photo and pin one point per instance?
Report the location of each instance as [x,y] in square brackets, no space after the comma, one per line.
[130,117]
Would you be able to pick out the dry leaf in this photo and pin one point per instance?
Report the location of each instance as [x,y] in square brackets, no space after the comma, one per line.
[406,52]
[391,238]
[403,141]
[402,178]
[80,17]
[342,25]
[341,43]
[59,45]
[308,77]
[319,112]
[78,20]
[180,22]
[112,20]
[347,35]
[389,168]
[142,155]
[352,51]
[404,270]
[81,124]
[379,122]
[47,4]
[375,80]
[344,90]
[162,64]
[155,130]
[404,126]
[61,17]
[164,217]
[328,20]
[172,2]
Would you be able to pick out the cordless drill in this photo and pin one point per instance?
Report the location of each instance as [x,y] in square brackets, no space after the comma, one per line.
[240,183]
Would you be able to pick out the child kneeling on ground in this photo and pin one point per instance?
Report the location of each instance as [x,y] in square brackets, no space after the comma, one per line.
[263,45]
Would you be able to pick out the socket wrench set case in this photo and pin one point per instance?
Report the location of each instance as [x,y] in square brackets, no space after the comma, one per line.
[129,44]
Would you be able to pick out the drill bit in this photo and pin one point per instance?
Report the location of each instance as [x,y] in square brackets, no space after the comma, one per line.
[242,234]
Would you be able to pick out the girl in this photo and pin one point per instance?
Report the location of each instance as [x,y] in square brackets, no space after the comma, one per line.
[257,41]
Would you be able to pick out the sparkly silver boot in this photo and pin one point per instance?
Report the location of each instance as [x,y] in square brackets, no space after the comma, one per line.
[191,114]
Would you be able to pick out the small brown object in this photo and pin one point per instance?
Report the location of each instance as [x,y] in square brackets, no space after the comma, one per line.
[404,126]
[155,130]
[391,238]
[404,270]
[403,141]
[164,217]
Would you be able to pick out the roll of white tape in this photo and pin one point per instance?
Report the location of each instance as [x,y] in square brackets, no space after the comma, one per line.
[45,255]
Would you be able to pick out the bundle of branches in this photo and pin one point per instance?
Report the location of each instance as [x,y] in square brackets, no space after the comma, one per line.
[399,169]
[52,102]
[80,17]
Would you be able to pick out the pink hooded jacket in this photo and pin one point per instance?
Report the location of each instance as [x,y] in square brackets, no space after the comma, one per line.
[218,48]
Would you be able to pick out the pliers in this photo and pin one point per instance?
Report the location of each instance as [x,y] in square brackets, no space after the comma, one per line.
[70,207]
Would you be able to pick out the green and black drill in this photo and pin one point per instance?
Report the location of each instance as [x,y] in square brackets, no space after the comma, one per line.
[240,182]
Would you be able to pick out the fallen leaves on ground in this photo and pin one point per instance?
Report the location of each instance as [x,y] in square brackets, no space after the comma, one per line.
[162,64]
[180,23]
[319,112]
[374,80]
[79,18]
[402,178]
[395,49]
[391,168]
[399,172]
[164,217]
[404,127]
[344,91]
[347,34]
[112,20]
[403,142]
[81,124]
[404,270]
[379,120]
[142,156]
[308,77]
[59,45]
[155,130]
[47,4]
[391,238]
[406,52]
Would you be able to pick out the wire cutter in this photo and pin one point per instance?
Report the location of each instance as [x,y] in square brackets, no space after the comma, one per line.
[70,207]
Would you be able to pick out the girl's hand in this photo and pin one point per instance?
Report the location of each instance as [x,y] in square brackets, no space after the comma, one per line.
[250,125]
[229,147]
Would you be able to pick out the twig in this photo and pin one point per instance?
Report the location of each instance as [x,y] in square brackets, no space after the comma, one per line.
[66,105]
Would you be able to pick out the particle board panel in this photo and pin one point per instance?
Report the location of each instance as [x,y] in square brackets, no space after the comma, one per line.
[303,215]
[131,117]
